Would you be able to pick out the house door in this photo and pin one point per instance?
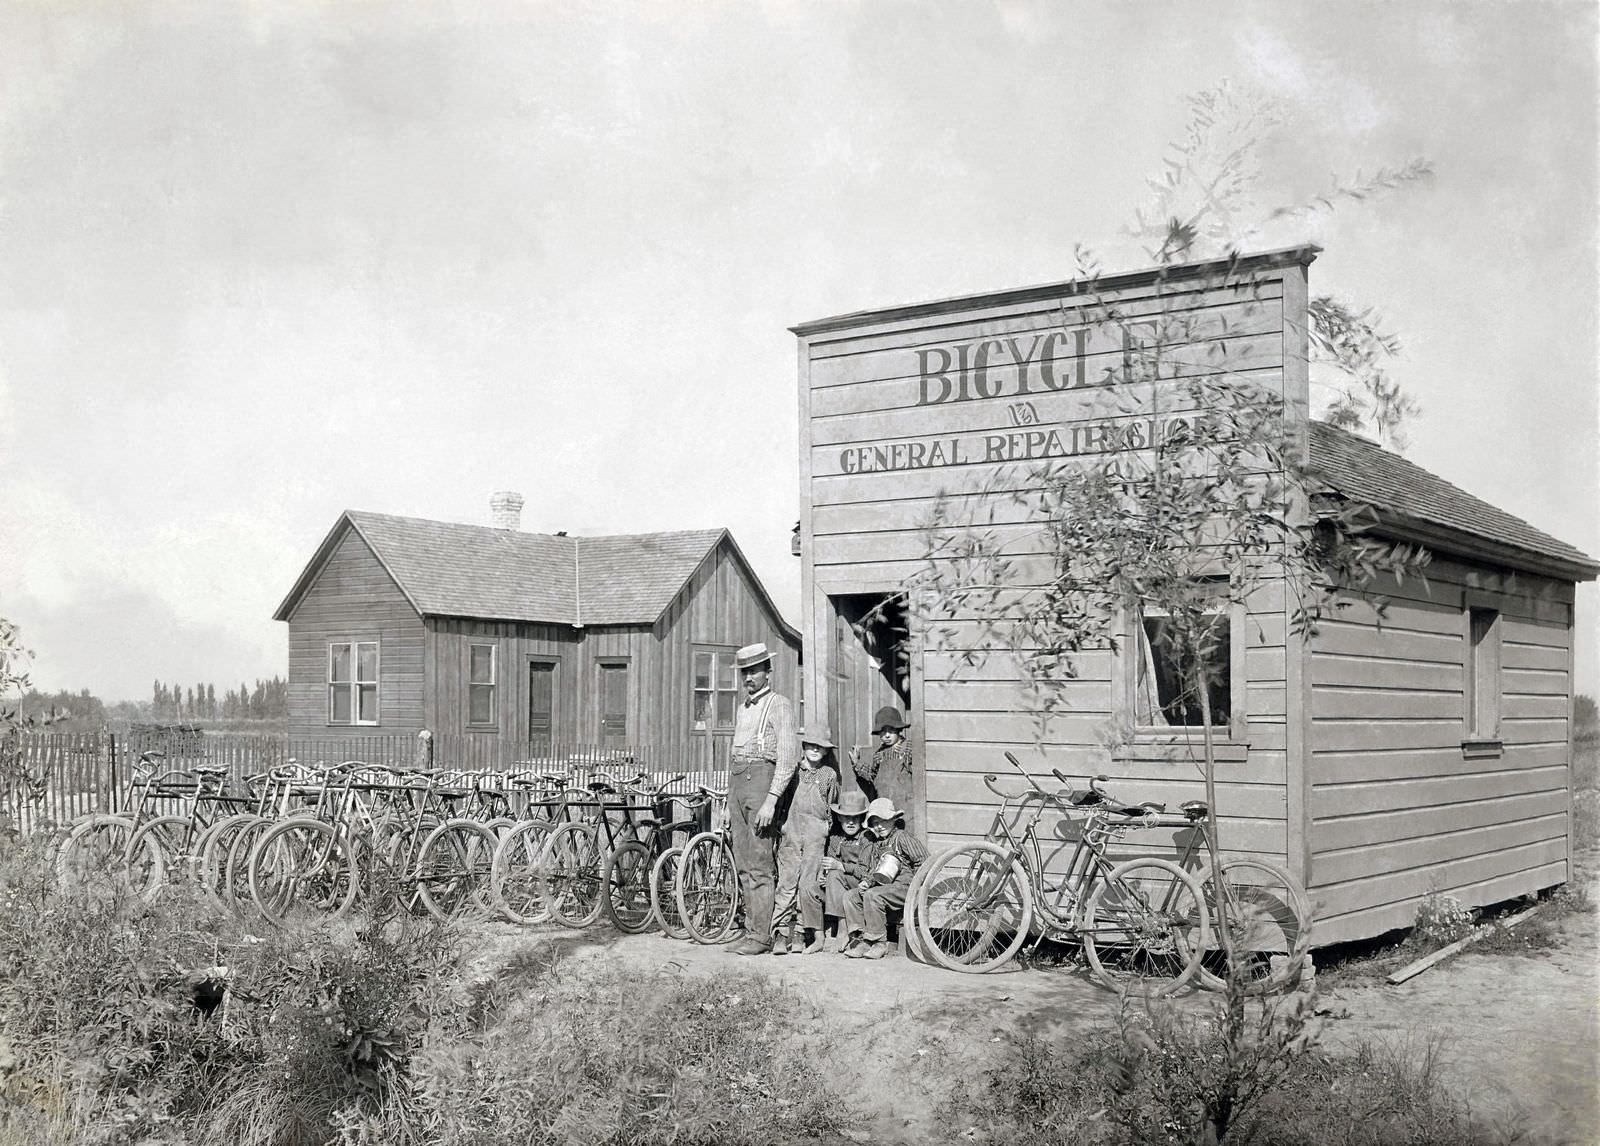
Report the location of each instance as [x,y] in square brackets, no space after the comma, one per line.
[613,705]
[871,669]
[541,707]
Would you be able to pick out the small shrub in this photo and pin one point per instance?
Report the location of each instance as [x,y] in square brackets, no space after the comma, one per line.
[1441,920]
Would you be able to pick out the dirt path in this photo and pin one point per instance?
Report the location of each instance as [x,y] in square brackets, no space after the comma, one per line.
[1518,1035]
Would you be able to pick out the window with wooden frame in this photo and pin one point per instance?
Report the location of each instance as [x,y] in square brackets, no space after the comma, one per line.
[353,682]
[483,668]
[1160,696]
[1483,684]
[715,690]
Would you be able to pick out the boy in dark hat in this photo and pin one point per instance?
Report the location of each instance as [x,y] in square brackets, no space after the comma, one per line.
[887,772]
[805,833]
[844,864]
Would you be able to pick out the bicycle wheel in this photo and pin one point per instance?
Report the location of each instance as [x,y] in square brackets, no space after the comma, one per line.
[94,858]
[235,887]
[974,907]
[167,835]
[211,856]
[302,866]
[572,874]
[453,869]
[1269,923]
[627,887]
[1142,925]
[708,888]
[664,893]
[516,881]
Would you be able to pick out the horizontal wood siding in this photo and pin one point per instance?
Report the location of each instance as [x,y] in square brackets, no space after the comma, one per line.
[871,481]
[1397,807]
[353,598]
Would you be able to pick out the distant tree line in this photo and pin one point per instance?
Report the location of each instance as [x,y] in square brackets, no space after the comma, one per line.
[267,700]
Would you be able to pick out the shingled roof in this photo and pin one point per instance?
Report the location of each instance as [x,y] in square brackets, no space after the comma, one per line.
[1413,501]
[452,570]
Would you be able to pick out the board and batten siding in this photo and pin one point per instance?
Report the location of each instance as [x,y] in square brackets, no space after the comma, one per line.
[880,452]
[353,598]
[517,644]
[1397,805]
[719,606]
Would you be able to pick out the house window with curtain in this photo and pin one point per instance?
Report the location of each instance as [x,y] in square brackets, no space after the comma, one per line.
[482,670]
[716,690]
[353,682]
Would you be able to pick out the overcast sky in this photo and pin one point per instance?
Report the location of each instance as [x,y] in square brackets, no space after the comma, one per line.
[266,262]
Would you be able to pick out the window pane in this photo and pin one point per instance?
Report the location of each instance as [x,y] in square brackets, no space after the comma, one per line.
[480,703]
[341,704]
[367,662]
[368,701]
[339,662]
[481,667]
[725,670]
[702,708]
[702,670]
[1166,694]
[725,706]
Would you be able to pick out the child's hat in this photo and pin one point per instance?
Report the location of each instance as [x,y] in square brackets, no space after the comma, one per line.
[818,737]
[883,809]
[888,717]
[852,803]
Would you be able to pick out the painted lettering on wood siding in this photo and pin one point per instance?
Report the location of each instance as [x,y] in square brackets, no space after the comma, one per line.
[1014,446]
[996,367]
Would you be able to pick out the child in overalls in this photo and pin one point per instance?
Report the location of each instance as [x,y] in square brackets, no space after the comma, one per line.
[805,835]
[893,858]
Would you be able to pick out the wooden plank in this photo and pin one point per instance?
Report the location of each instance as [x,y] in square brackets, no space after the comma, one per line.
[1534,682]
[1329,801]
[1519,655]
[1356,734]
[1412,970]
[1203,312]
[1083,697]
[1413,851]
[1384,672]
[1331,702]
[1251,801]
[1244,836]
[1416,763]
[1472,880]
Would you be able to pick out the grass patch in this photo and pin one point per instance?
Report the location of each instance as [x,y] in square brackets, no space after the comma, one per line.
[1105,1091]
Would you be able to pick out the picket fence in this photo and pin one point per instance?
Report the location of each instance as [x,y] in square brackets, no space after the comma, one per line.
[49,779]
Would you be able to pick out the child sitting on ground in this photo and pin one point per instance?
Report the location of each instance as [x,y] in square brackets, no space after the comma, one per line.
[805,834]
[893,856]
[844,864]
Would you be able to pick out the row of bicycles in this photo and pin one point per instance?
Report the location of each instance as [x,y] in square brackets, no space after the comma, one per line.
[528,847]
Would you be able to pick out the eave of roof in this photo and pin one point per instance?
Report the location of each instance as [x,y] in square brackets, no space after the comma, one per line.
[1232,265]
[1416,504]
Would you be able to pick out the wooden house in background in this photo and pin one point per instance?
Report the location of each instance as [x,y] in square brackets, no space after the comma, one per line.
[537,642]
[1379,760]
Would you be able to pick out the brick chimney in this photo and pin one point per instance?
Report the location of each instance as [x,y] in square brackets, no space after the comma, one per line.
[505,509]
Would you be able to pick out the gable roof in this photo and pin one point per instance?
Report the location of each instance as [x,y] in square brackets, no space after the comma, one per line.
[1420,504]
[450,570]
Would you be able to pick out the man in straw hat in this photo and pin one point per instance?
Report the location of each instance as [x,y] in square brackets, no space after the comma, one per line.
[765,751]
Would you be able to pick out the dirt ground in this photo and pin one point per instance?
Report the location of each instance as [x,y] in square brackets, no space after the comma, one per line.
[1517,1035]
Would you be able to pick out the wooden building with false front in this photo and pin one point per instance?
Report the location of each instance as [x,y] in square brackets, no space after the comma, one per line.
[1379,759]
[527,644]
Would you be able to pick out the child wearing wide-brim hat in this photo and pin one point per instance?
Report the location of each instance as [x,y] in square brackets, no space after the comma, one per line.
[893,856]
[805,837]
[844,863]
[887,772]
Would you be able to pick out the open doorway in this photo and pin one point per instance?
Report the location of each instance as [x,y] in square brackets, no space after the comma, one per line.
[871,669]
